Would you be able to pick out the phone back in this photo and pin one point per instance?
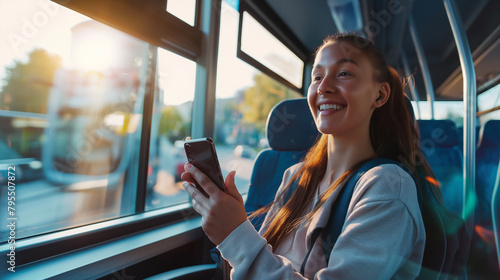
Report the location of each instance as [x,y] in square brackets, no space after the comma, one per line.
[201,153]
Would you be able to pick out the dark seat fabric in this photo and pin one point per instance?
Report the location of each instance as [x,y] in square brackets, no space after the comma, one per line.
[439,144]
[487,158]
[291,132]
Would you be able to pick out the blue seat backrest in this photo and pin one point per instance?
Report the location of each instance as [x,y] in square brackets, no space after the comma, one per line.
[439,144]
[487,158]
[291,131]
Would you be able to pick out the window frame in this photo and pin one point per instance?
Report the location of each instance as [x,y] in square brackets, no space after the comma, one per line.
[169,32]
[46,245]
[280,31]
[196,14]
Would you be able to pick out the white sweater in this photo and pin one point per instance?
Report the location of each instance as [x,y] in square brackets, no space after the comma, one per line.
[383,236]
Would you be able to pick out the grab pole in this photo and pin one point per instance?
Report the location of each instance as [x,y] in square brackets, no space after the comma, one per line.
[469,97]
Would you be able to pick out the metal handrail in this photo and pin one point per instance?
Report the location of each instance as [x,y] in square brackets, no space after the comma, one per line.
[495,213]
[411,81]
[469,96]
[422,60]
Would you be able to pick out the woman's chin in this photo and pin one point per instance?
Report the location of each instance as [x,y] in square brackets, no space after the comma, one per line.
[328,130]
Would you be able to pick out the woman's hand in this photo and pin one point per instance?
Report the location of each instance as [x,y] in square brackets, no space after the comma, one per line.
[221,212]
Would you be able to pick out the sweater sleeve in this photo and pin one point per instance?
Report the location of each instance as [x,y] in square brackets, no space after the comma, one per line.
[252,258]
[381,236]
[248,252]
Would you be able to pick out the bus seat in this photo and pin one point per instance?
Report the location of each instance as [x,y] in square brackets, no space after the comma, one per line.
[439,144]
[291,131]
[487,157]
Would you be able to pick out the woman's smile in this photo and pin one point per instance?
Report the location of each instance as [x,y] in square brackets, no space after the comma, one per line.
[327,109]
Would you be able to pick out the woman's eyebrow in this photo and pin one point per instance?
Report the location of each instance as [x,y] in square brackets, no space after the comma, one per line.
[346,60]
[338,62]
[317,67]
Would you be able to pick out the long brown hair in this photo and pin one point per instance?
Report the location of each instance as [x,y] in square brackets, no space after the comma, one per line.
[393,135]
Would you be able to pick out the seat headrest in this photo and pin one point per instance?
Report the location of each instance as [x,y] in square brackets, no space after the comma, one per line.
[491,134]
[290,126]
[441,133]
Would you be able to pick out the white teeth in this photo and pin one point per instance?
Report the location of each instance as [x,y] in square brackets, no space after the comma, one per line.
[330,107]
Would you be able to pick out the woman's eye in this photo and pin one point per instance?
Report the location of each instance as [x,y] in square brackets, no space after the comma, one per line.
[344,74]
[317,78]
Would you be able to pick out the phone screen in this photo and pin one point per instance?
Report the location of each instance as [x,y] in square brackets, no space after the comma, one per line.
[201,153]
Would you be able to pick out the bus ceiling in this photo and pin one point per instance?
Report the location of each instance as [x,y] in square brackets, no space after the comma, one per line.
[386,22]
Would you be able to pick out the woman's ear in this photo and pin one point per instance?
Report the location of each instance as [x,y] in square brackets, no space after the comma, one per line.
[384,92]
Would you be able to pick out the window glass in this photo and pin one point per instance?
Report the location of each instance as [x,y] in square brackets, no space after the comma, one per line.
[244,97]
[452,110]
[487,101]
[71,99]
[183,9]
[260,44]
[171,124]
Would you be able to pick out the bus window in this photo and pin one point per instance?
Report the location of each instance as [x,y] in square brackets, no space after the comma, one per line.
[450,110]
[71,111]
[171,124]
[273,54]
[488,105]
[244,98]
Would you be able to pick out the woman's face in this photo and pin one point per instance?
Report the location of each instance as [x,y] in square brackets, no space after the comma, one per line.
[343,92]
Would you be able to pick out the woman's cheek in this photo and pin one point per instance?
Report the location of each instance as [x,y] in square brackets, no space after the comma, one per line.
[311,97]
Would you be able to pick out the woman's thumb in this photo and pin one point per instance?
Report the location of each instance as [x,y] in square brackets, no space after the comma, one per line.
[231,187]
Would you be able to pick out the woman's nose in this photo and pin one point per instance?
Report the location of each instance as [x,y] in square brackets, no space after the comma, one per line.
[326,87]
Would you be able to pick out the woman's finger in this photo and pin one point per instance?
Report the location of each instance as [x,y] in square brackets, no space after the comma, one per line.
[196,194]
[198,208]
[231,188]
[186,176]
[203,180]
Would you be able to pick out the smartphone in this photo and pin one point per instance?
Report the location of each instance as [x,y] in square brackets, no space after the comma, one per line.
[201,153]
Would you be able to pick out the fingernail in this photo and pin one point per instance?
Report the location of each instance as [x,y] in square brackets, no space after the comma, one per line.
[188,167]
[185,184]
